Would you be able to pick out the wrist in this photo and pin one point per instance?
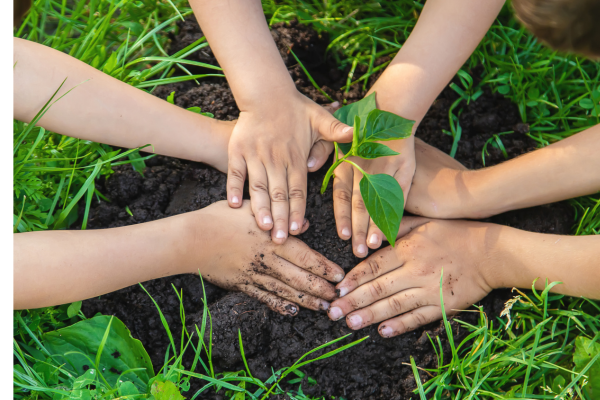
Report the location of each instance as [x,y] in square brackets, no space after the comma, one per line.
[195,237]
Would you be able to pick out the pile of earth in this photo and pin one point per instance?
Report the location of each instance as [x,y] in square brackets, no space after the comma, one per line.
[375,369]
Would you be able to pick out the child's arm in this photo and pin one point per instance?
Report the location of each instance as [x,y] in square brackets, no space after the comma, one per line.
[278,126]
[224,244]
[443,188]
[444,37]
[104,109]
[401,286]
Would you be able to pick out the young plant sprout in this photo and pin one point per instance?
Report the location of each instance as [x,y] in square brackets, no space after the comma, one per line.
[381,193]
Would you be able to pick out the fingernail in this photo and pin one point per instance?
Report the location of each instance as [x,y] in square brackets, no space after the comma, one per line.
[294,226]
[291,309]
[362,249]
[280,235]
[311,162]
[338,277]
[267,220]
[335,104]
[355,321]
[346,232]
[324,305]
[342,291]
[386,331]
[235,200]
[335,313]
[374,239]
[304,222]
[347,129]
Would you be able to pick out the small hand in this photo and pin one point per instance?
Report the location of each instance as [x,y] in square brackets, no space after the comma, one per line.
[244,258]
[351,216]
[442,187]
[273,147]
[401,286]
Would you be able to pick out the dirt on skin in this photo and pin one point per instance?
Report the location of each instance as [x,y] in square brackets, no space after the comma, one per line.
[375,369]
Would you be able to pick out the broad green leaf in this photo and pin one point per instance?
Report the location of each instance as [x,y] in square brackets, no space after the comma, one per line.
[586,103]
[121,351]
[362,108]
[110,64]
[127,389]
[383,125]
[372,150]
[73,309]
[585,351]
[165,391]
[384,201]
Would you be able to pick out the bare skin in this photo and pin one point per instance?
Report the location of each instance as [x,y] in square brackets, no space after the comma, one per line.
[444,37]
[399,288]
[221,243]
[280,134]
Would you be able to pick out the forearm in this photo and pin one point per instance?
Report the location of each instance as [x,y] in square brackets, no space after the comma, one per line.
[240,39]
[444,37]
[563,170]
[106,110]
[516,258]
[58,267]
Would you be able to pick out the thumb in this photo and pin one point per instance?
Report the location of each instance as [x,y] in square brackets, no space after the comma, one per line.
[410,223]
[331,129]
[318,155]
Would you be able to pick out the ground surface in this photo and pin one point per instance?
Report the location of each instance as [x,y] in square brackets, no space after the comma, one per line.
[373,370]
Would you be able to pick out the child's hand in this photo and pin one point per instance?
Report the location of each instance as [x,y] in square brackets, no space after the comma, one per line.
[271,143]
[351,216]
[243,258]
[401,286]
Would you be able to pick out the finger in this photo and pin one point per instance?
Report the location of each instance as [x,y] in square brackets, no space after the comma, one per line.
[236,177]
[410,321]
[360,219]
[298,253]
[392,306]
[342,200]
[275,303]
[318,155]
[374,235]
[378,264]
[280,289]
[259,197]
[280,205]
[405,181]
[331,129]
[297,175]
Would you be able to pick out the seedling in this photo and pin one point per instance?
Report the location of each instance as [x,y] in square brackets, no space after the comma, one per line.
[381,193]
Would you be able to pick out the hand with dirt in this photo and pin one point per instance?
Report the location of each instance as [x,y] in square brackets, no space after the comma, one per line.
[444,37]
[277,128]
[399,288]
[245,259]
[221,243]
[444,188]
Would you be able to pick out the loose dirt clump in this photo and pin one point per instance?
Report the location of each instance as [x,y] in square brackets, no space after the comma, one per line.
[376,368]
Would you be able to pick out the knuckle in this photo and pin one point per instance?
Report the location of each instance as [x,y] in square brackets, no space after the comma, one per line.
[359,204]
[258,186]
[373,266]
[420,319]
[342,196]
[236,175]
[278,195]
[297,193]
[377,289]
[395,305]
[353,303]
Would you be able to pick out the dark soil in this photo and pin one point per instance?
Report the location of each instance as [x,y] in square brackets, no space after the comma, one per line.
[376,368]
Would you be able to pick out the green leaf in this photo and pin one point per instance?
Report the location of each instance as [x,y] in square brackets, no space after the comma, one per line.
[121,351]
[372,150]
[383,125]
[165,391]
[361,108]
[110,64]
[504,89]
[384,201]
[73,309]
[585,351]
[586,103]
[171,98]
[127,389]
